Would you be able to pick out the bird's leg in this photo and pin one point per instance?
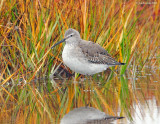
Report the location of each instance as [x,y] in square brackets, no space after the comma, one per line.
[75,93]
[75,77]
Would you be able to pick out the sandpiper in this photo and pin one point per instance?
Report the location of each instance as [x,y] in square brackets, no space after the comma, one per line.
[87,115]
[84,57]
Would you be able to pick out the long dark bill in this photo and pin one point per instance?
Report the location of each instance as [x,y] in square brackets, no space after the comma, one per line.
[58,43]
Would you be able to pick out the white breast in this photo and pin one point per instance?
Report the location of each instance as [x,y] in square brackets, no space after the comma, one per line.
[76,61]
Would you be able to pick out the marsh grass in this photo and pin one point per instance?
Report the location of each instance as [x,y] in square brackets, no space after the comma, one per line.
[128,31]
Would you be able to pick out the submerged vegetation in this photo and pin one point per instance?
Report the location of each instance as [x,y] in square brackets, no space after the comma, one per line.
[128,30]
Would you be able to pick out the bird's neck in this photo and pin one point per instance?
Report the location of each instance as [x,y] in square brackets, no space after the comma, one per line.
[72,43]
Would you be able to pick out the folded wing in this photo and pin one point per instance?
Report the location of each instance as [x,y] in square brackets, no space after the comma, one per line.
[96,54]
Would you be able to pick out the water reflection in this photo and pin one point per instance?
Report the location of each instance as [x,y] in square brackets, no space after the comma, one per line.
[135,96]
[147,113]
[87,115]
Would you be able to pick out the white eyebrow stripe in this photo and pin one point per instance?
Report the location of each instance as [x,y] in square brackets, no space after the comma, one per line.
[72,34]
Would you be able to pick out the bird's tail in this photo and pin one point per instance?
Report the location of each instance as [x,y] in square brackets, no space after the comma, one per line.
[113,118]
[122,63]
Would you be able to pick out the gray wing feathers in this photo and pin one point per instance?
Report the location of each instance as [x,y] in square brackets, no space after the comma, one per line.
[96,54]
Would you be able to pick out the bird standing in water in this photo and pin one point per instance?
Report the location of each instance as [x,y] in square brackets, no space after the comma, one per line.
[84,57]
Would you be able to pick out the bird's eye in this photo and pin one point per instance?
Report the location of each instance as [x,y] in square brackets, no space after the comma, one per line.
[71,35]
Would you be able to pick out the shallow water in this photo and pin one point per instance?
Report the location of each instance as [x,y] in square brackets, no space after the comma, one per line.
[138,97]
[135,96]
